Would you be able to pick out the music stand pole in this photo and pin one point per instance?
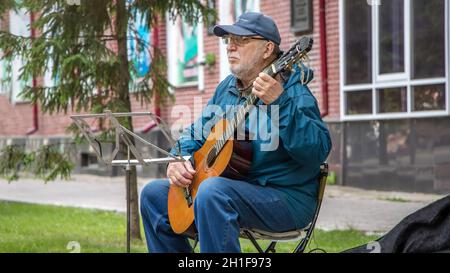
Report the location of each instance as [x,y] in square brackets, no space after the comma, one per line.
[128,189]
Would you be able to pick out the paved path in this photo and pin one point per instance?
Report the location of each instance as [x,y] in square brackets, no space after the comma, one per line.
[373,211]
[343,207]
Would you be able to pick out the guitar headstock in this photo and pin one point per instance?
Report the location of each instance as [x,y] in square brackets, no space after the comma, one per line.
[294,55]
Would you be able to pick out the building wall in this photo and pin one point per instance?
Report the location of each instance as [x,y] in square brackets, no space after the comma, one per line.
[15,120]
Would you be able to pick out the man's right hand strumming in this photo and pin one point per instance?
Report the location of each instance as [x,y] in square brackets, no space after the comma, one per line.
[180,173]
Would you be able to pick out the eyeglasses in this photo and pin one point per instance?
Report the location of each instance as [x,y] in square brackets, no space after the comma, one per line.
[239,40]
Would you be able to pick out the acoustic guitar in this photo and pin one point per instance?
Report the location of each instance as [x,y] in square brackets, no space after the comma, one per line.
[222,154]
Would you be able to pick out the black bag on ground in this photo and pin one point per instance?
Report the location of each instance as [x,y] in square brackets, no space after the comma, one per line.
[426,230]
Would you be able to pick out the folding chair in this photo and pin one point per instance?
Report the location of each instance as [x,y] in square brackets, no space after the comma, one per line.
[303,234]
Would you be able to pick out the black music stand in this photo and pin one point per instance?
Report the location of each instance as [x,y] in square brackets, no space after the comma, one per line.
[122,133]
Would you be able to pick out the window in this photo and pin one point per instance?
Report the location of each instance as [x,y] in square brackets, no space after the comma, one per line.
[391,39]
[429,97]
[89,161]
[358,25]
[395,58]
[359,102]
[428,39]
[19,24]
[4,75]
[184,42]
[392,100]
[5,69]
[139,45]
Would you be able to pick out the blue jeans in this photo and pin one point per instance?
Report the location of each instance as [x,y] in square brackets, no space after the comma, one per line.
[221,207]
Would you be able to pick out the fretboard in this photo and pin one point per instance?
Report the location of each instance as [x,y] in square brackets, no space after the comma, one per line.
[240,114]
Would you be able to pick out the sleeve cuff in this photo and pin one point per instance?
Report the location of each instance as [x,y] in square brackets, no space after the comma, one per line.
[281,99]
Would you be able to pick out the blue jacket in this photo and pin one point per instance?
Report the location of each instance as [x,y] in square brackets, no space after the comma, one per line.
[302,141]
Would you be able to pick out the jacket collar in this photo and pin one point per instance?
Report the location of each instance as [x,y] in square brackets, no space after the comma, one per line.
[232,86]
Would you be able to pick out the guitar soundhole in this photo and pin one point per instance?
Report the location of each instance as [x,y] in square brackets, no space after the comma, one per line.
[211,157]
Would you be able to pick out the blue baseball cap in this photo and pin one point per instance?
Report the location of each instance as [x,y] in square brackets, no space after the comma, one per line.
[251,24]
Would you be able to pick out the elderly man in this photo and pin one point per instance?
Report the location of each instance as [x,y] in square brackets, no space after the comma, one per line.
[280,191]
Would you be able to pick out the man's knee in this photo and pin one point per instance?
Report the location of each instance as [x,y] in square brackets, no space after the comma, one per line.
[153,191]
[213,189]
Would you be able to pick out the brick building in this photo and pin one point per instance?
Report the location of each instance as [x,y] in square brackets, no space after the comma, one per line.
[381,80]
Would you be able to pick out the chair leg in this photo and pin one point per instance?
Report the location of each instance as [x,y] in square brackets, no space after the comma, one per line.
[254,242]
[195,243]
[271,247]
[302,245]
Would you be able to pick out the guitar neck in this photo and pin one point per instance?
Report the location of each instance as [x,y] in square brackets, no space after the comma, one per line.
[240,115]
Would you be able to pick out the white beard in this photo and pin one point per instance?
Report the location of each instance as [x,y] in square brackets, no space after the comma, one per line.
[248,69]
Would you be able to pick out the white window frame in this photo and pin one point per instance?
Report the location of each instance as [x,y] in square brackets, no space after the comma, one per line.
[171,59]
[2,63]
[201,56]
[395,79]
[376,45]
[18,62]
[3,88]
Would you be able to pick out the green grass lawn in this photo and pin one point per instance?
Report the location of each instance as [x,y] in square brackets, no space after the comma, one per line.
[42,228]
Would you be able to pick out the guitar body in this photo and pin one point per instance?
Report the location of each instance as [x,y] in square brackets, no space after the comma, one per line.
[233,161]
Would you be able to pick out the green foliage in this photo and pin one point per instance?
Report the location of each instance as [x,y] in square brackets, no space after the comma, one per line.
[46,163]
[6,5]
[75,45]
[80,47]
[332,178]
[11,158]
[210,59]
